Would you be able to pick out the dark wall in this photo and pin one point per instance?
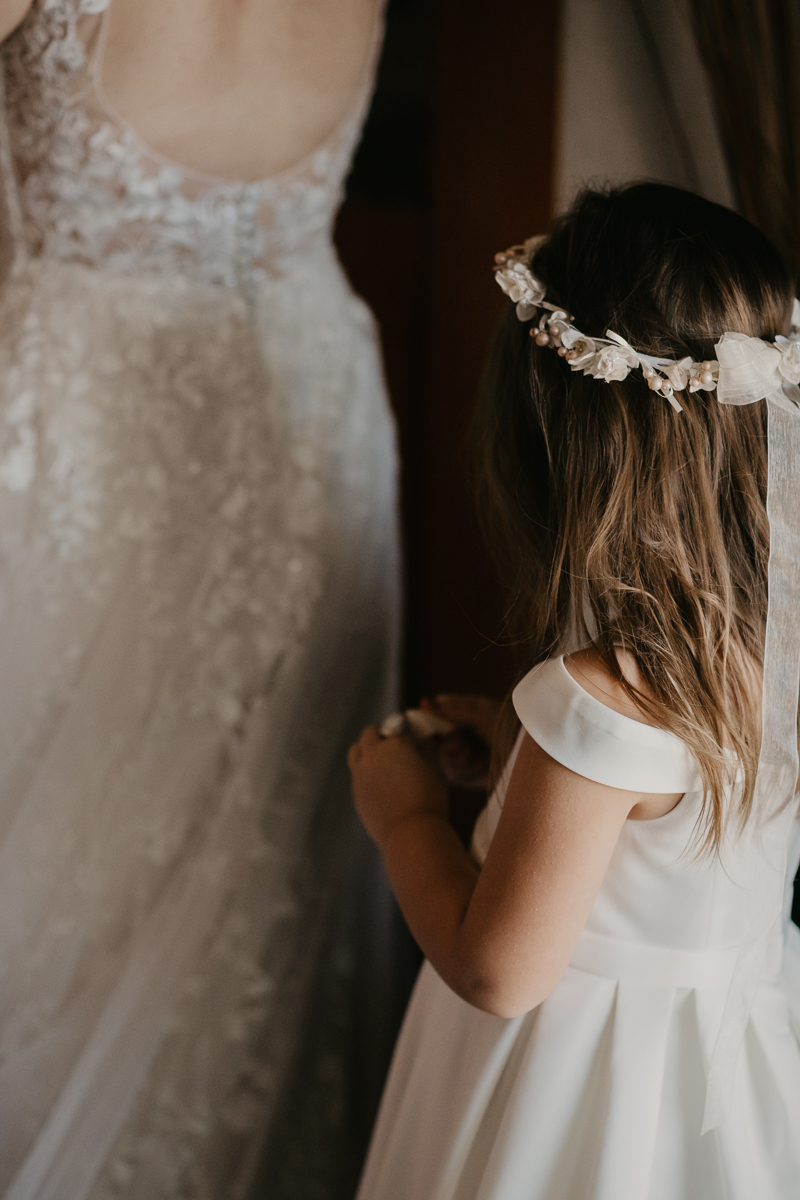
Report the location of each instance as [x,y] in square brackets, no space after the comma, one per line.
[456,163]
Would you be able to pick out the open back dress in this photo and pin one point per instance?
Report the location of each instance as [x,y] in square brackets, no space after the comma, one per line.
[599,1092]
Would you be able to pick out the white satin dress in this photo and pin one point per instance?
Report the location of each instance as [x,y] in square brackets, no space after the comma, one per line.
[599,1092]
[198,611]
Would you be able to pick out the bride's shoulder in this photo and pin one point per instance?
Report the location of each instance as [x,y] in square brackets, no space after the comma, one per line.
[12,13]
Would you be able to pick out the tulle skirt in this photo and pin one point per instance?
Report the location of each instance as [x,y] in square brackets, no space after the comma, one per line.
[198,591]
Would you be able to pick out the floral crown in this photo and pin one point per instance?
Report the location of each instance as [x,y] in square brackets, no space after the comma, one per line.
[611,358]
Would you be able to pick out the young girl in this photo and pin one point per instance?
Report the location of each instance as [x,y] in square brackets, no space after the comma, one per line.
[610,1008]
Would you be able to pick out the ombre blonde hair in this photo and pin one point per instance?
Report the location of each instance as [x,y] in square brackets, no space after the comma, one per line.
[618,522]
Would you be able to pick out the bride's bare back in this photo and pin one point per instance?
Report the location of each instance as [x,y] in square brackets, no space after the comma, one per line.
[240,89]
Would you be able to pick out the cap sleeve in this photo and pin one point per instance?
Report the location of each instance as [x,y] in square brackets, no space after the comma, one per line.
[582,733]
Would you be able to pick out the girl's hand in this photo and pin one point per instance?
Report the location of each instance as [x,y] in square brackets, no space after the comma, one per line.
[392,781]
[465,756]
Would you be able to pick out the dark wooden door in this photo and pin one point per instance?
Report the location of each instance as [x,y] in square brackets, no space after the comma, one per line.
[457,163]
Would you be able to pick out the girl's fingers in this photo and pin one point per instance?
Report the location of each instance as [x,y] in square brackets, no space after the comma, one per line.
[369,737]
[477,712]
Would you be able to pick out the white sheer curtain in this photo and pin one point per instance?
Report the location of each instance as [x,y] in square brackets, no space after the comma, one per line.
[635,101]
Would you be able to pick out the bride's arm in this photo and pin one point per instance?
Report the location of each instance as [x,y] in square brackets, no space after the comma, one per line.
[11,13]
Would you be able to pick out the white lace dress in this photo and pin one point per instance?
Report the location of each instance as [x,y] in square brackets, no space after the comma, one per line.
[599,1092]
[198,591]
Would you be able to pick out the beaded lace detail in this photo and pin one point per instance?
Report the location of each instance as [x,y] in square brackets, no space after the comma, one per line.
[93,192]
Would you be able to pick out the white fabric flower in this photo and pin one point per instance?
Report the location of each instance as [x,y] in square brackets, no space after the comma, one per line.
[611,364]
[678,373]
[520,286]
[580,349]
[789,365]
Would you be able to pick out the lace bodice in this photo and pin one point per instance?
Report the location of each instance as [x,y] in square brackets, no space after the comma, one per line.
[89,190]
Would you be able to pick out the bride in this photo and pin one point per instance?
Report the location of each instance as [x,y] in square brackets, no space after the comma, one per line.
[198,574]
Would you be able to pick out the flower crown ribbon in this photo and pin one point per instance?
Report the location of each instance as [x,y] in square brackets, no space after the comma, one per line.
[744,371]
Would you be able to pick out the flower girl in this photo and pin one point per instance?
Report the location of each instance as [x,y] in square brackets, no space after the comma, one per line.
[610,1007]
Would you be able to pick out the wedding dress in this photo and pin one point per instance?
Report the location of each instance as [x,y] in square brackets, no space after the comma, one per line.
[198,591]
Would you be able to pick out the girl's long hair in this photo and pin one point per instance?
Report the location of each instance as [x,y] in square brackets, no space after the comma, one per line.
[618,522]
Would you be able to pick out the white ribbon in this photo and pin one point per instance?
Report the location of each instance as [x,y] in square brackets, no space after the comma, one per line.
[631,356]
[749,371]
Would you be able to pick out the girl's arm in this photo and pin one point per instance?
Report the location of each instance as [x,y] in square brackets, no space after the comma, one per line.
[500,937]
